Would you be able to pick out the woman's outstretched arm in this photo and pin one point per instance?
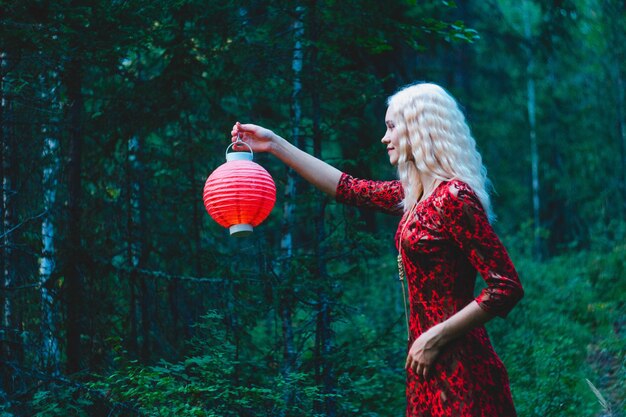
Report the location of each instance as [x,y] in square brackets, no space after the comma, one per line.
[317,172]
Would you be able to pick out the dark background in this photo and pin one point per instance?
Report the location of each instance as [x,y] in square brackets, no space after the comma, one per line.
[120,296]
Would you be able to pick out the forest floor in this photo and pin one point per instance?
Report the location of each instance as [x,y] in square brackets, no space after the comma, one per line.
[609,365]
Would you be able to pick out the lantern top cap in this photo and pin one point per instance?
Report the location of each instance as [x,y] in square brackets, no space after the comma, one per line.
[239,156]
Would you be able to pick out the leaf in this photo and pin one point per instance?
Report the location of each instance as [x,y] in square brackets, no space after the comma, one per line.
[601,399]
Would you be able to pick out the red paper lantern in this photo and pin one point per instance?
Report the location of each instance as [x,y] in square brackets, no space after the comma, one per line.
[240,193]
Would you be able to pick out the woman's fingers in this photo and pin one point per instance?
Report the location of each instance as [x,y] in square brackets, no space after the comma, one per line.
[245,131]
[238,132]
[411,363]
[420,369]
[417,368]
[257,137]
[243,128]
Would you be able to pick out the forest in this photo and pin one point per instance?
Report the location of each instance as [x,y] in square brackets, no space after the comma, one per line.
[120,296]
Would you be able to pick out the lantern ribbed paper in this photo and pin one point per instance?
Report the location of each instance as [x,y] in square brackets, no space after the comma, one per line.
[239,194]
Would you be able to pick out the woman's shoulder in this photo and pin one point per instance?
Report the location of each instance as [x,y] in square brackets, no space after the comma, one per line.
[454,188]
[456,192]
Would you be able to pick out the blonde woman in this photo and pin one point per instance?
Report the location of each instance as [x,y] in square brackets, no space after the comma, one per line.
[444,237]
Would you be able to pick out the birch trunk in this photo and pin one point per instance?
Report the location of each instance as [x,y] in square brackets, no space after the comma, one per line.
[286,243]
[532,125]
[50,356]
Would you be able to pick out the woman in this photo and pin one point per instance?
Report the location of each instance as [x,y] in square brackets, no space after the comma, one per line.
[443,238]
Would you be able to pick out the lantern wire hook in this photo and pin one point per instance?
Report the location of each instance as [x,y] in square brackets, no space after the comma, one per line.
[237,142]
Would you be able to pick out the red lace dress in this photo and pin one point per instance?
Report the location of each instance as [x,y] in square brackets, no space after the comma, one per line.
[447,239]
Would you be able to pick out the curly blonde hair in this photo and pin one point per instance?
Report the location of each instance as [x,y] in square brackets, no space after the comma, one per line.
[434,138]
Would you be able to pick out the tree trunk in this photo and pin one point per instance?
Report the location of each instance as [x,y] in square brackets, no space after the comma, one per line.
[616,41]
[4,374]
[621,131]
[463,58]
[74,278]
[137,247]
[613,34]
[133,346]
[132,248]
[50,356]
[534,152]
[11,345]
[323,334]
[181,320]
[286,243]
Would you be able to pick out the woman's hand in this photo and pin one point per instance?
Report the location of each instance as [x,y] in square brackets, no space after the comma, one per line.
[426,348]
[317,172]
[424,352]
[259,138]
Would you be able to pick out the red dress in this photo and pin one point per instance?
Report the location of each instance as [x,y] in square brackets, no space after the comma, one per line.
[447,239]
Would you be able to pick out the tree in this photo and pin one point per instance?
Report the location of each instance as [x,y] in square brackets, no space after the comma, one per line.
[50,321]
[11,348]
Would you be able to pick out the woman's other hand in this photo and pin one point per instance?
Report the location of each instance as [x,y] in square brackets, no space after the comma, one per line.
[259,138]
[423,353]
[428,345]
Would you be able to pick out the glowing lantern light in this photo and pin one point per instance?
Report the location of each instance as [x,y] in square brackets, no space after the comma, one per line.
[240,193]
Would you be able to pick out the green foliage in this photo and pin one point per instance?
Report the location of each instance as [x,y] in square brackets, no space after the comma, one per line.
[200,385]
[562,333]
[550,341]
[59,401]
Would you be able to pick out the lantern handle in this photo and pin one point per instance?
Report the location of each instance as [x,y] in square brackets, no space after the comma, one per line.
[239,141]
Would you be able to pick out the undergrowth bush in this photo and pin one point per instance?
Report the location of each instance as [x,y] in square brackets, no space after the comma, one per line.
[550,341]
[202,385]
[568,329]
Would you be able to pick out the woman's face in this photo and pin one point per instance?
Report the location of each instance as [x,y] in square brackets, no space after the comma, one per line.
[391,139]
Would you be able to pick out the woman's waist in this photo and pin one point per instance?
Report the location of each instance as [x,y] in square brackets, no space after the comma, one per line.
[425,313]
[440,301]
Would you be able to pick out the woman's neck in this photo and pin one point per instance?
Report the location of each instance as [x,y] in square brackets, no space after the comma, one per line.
[429,183]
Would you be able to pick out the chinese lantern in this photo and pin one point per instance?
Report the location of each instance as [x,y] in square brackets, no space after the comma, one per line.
[240,193]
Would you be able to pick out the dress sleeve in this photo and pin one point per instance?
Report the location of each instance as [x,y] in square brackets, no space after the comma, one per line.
[467,223]
[385,196]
